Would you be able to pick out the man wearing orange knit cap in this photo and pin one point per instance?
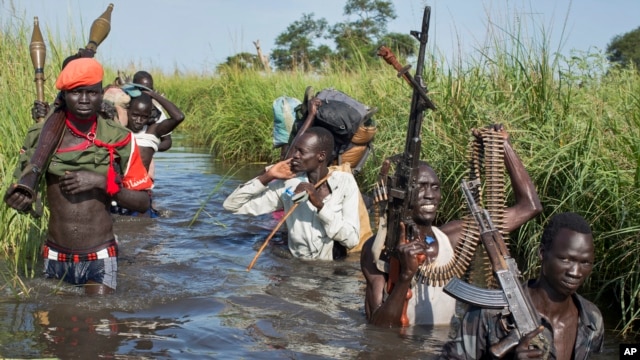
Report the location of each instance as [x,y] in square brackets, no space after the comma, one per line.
[96,161]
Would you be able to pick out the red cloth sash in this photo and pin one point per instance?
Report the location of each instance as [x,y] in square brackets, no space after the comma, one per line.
[112,186]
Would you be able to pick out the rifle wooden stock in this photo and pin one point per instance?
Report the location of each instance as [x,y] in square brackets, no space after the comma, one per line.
[403,72]
[38,52]
[394,276]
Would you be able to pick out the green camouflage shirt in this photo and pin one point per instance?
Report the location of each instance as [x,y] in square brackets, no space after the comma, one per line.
[482,328]
[87,156]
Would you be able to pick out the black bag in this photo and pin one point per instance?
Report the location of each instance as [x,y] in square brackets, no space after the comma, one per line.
[342,115]
[340,118]
[339,113]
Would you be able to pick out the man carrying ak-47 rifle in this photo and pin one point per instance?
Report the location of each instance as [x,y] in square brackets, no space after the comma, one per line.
[570,324]
[429,305]
[390,260]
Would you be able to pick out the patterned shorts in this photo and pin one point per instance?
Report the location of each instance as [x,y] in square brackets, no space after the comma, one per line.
[78,267]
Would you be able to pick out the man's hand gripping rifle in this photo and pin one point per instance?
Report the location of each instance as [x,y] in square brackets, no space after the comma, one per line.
[519,314]
[399,191]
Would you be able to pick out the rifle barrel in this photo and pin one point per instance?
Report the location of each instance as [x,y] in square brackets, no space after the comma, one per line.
[402,187]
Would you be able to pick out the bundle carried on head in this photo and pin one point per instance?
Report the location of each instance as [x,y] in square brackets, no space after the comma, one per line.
[349,120]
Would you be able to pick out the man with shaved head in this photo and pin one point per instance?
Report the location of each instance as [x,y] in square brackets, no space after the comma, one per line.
[331,211]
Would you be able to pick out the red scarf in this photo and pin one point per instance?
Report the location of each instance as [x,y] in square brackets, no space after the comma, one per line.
[112,186]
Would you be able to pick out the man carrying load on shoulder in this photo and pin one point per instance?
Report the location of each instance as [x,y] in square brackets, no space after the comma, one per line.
[331,212]
[96,161]
[149,135]
[140,110]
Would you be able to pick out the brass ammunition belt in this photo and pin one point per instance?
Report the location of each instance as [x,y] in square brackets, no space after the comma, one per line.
[486,159]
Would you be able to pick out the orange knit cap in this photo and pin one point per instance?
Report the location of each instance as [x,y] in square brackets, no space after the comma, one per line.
[80,72]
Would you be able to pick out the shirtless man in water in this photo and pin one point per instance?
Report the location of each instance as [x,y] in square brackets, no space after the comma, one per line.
[96,162]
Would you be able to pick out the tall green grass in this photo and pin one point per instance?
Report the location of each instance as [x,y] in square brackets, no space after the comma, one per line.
[574,122]
[19,235]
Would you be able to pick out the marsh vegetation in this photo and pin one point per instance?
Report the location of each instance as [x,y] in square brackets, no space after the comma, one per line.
[574,121]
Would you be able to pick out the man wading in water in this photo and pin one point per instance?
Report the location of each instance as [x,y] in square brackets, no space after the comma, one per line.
[81,181]
[571,325]
[331,212]
[429,305]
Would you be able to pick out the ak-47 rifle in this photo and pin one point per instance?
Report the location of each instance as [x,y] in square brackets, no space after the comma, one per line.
[519,314]
[52,130]
[400,189]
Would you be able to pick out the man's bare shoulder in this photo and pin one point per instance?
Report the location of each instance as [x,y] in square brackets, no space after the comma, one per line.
[367,261]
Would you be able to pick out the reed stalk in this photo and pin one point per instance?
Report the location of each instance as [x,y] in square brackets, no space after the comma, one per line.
[574,121]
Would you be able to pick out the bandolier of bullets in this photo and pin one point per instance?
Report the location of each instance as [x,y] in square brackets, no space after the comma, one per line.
[485,155]
[379,197]
[491,150]
[494,190]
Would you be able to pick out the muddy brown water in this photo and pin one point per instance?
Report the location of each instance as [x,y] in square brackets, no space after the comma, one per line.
[184,291]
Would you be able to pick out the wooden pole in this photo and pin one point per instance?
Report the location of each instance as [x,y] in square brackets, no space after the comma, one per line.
[284,218]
